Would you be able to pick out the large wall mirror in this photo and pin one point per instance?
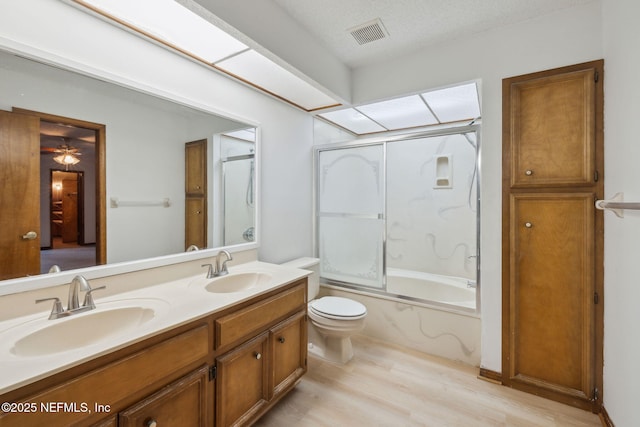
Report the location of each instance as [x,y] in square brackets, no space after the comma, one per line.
[143,161]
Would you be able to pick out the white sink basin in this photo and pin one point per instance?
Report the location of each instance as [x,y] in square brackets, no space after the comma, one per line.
[44,337]
[235,282]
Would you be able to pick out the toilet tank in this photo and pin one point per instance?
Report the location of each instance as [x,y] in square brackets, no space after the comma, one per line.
[313,265]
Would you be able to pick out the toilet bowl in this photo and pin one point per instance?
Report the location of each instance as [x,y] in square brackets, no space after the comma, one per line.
[332,320]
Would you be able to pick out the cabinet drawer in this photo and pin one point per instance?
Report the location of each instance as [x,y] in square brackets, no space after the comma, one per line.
[115,383]
[234,327]
[183,403]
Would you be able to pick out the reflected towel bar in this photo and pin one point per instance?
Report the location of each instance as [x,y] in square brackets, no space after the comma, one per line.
[116,203]
[617,205]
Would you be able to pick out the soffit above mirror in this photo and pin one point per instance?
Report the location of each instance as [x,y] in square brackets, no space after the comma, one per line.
[195,35]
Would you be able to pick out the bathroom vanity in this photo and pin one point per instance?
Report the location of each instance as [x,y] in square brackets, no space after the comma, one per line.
[216,351]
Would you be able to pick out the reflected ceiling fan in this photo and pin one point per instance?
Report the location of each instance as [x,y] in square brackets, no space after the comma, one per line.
[65,154]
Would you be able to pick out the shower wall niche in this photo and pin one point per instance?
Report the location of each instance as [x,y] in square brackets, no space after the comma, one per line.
[401,216]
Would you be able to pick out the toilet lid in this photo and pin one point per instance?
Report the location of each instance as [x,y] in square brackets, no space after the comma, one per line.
[337,306]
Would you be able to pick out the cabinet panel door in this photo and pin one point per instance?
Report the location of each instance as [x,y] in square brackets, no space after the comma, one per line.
[552,292]
[182,403]
[552,130]
[195,222]
[196,168]
[289,352]
[242,388]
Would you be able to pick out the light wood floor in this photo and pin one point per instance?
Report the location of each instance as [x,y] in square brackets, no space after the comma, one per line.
[384,385]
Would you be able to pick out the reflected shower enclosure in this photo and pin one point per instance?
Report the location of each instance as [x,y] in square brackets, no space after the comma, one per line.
[238,186]
[401,216]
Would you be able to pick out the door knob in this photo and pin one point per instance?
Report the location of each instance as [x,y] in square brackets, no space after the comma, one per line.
[31,235]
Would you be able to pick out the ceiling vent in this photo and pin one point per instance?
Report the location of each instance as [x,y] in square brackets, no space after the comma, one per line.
[369,32]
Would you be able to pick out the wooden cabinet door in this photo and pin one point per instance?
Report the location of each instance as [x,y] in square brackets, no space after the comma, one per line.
[552,291]
[195,183]
[553,171]
[552,130]
[289,352]
[195,222]
[182,403]
[196,168]
[242,388]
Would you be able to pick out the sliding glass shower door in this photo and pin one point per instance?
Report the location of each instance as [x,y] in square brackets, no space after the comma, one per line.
[400,217]
[351,203]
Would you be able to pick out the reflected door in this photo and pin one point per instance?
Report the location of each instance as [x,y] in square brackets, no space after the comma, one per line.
[19,195]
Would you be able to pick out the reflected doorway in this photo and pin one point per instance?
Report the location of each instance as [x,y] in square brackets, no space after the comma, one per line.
[88,140]
[67,203]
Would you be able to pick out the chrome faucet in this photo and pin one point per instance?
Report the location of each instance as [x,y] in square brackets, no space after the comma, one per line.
[218,269]
[79,283]
[222,268]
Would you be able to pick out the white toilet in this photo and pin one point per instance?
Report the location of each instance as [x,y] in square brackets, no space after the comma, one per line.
[332,319]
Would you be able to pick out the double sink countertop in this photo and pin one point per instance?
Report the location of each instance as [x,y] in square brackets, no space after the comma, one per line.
[33,347]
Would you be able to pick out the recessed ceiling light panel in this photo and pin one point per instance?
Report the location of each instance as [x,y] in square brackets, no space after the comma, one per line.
[266,74]
[172,23]
[454,103]
[353,120]
[400,113]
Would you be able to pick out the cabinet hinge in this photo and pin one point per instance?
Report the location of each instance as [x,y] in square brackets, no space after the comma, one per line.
[596,176]
[212,373]
[596,76]
[596,298]
[595,395]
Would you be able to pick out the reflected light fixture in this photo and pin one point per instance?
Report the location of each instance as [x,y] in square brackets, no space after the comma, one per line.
[66,155]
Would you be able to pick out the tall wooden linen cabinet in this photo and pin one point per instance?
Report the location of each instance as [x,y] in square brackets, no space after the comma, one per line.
[552,234]
[195,187]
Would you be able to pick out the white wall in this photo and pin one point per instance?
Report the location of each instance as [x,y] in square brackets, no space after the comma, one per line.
[59,33]
[563,38]
[622,236]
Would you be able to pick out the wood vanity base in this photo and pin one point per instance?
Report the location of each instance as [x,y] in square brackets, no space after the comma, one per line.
[225,369]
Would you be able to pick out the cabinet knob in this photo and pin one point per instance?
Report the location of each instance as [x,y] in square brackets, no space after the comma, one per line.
[528,224]
[258,355]
[529,172]
[151,423]
[281,339]
[197,212]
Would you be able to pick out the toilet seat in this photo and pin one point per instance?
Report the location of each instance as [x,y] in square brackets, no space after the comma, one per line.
[338,308]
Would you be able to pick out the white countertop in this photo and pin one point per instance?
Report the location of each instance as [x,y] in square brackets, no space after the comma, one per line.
[173,303]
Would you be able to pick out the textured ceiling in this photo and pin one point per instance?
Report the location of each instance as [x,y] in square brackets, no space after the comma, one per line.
[411,24]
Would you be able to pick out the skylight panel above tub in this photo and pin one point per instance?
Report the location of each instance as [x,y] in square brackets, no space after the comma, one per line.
[453,104]
[400,113]
[353,121]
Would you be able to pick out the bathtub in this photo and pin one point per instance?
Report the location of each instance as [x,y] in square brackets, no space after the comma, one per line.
[431,287]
